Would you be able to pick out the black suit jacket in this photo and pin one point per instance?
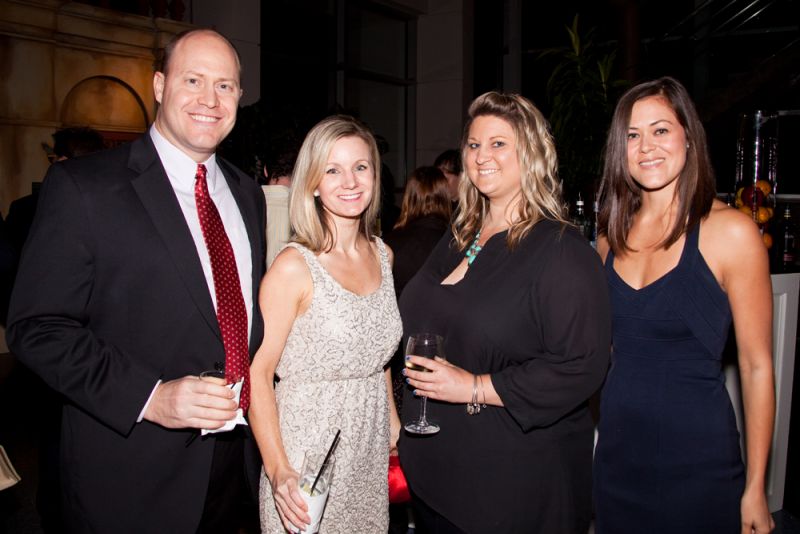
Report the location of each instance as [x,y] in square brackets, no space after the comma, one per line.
[111,297]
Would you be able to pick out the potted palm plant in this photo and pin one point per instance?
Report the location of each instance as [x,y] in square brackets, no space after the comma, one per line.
[582,93]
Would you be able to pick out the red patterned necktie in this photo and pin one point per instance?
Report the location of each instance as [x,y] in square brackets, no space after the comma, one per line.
[231,312]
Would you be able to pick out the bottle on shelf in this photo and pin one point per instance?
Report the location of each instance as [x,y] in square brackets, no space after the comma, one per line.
[579,218]
[593,232]
[785,252]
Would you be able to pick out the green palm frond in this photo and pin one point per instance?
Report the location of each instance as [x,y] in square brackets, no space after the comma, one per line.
[581,90]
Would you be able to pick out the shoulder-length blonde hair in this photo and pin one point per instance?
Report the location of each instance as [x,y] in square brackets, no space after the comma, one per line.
[621,196]
[540,195]
[311,226]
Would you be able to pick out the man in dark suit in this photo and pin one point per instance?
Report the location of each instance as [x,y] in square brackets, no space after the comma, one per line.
[124,296]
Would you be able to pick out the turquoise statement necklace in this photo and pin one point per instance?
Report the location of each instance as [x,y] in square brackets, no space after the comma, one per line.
[474,248]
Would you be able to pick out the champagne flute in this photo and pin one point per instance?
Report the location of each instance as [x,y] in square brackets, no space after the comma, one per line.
[426,346]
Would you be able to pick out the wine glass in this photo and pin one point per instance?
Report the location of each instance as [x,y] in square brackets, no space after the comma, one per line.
[426,346]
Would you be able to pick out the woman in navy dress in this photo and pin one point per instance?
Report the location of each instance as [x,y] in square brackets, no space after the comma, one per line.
[680,266]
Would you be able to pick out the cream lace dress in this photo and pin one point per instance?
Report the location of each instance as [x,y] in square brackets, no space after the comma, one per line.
[331,376]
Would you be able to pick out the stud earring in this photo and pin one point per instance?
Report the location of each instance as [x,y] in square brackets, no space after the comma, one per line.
[687,145]
[316,194]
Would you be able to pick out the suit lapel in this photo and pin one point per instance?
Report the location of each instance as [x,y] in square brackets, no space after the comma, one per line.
[158,198]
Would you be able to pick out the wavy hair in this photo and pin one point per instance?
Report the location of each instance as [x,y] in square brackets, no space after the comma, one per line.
[540,194]
[621,195]
[311,225]
[426,194]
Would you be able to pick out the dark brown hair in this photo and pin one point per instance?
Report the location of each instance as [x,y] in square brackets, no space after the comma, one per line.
[449,161]
[74,142]
[426,195]
[621,196]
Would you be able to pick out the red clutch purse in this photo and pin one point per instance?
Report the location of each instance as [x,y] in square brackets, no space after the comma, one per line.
[398,487]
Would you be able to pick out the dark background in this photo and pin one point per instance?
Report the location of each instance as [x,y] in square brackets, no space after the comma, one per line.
[734,56]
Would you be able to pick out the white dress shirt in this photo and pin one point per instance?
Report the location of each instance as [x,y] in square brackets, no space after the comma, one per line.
[181,171]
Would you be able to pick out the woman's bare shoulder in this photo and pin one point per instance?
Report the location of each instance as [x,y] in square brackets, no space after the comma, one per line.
[289,267]
[730,240]
[726,223]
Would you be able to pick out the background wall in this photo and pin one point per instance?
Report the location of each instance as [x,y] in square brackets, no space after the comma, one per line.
[70,64]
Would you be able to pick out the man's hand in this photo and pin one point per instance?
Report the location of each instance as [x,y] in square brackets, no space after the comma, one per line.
[189,402]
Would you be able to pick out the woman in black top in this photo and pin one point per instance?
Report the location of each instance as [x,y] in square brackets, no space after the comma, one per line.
[521,301]
[424,218]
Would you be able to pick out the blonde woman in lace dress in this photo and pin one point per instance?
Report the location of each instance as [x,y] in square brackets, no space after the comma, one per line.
[331,325]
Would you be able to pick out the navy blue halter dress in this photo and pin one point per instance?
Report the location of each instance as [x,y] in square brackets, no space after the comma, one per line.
[667,457]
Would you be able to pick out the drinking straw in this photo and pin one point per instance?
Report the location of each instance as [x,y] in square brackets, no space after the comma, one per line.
[325,461]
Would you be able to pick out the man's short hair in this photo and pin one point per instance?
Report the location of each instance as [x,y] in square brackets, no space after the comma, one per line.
[166,54]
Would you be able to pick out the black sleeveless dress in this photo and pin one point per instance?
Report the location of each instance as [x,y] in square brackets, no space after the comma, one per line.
[668,458]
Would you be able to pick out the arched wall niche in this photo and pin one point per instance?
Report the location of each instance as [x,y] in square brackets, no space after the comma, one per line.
[105,103]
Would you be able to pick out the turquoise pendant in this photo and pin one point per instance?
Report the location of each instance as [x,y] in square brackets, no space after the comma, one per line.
[474,248]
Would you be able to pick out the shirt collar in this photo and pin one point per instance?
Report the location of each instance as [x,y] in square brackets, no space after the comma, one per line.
[181,168]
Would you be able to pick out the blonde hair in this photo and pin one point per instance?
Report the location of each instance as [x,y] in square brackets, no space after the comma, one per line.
[540,195]
[311,226]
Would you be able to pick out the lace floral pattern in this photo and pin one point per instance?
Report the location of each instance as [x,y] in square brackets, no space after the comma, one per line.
[331,376]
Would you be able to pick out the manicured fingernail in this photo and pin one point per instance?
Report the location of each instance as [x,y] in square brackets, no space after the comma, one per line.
[404,372]
[408,380]
[408,357]
[416,393]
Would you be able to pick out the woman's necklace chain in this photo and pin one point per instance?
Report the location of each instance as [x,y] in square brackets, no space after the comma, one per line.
[474,248]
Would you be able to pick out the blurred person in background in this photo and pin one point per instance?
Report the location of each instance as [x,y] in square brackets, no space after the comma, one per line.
[278,174]
[67,143]
[449,162]
[424,218]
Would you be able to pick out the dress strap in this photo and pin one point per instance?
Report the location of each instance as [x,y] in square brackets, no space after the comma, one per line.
[311,259]
[691,249]
[692,237]
[384,256]
[609,263]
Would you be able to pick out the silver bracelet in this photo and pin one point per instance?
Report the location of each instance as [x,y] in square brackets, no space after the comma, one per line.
[473,407]
[483,392]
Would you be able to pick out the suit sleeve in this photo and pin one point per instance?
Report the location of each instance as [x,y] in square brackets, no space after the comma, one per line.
[569,302]
[50,324]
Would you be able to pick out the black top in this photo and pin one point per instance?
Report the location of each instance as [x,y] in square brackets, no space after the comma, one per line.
[412,245]
[538,320]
